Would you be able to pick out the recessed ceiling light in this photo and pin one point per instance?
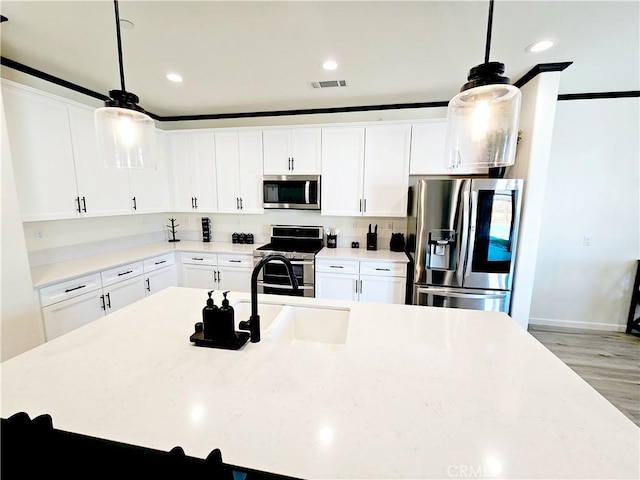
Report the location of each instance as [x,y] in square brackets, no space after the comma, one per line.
[540,46]
[126,24]
[330,65]
[174,77]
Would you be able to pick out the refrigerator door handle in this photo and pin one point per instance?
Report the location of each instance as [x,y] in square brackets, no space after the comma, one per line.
[465,236]
[472,232]
[448,293]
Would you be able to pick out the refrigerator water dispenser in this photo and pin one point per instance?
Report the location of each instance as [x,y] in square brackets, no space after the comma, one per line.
[441,249]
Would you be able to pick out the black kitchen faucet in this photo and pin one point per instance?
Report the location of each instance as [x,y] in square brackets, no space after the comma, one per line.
[253,324]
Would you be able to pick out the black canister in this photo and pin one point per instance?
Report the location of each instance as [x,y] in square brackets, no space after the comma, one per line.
[242,238]
[249,238]
[332,241]
[234,238]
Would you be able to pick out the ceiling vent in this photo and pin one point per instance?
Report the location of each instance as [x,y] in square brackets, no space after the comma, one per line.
[328,84]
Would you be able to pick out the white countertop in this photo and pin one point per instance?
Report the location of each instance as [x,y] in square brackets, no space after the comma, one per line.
[362,254]
[57,272]
[415,392]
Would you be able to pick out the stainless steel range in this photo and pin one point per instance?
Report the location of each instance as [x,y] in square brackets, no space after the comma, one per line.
[299,244]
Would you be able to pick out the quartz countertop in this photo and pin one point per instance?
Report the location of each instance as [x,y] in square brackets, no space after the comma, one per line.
[362,254]
[57,272]
[414,392]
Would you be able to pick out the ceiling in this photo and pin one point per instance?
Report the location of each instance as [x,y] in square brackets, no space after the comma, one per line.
[242,56]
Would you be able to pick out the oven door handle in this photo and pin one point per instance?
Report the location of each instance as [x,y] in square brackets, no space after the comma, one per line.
[284,287]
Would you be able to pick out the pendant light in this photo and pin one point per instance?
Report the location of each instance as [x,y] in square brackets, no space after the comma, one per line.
[126,134]
[482,120]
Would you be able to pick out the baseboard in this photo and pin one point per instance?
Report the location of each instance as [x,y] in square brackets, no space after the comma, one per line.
[553,322]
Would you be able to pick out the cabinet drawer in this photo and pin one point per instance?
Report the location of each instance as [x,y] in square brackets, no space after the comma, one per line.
[115,275]
[195,258]
[69,289]
[151,264]
[387,269]
[337,266]
[235,260]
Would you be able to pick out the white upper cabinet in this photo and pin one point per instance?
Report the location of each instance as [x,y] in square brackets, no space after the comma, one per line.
[428,141]
[292,151]
[239,171]
[103,191]
[193,171]
[365,170]
[149,189]
[342,170]
[40,144]
[386,170]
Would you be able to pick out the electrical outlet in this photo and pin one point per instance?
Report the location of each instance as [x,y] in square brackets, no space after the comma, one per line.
[354,224]
[38,234]
[586,241]
[390,226]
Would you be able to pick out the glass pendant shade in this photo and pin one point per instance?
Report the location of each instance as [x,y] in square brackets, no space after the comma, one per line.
[482,127]
[126,138]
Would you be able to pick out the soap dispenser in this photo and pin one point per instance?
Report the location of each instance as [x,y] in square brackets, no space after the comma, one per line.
[210,319]
[226,319]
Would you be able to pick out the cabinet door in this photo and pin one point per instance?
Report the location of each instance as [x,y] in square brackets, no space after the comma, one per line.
[103,191]
[181,171]
[234,279]
[124,293]
[386,170]
[382,289]
[199,276]
[62,317]
[205,173]
[306,151]
[227,172]
[250,171]
[160,279]
[40,143]
[150,188]
[277,152]
[427,148]
[337,286]
[342,164]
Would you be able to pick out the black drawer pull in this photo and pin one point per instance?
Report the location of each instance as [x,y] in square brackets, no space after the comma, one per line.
[161,261]
[336,266]
[383,269]
[125,273]
[74,288]
[194,258]
[235,261]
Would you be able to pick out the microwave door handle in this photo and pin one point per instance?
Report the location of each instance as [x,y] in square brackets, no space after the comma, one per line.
[306,191]
[465,236]
[472,231]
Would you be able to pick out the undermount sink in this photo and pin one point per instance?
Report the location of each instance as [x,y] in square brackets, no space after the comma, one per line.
[267,311]
[311,325]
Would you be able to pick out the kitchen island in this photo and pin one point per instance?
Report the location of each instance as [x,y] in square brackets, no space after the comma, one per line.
[379,391]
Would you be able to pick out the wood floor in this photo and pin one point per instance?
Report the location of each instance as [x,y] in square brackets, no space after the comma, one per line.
[608,361]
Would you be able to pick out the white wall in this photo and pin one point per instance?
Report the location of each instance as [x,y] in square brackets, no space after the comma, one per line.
[590,238]
[20,321]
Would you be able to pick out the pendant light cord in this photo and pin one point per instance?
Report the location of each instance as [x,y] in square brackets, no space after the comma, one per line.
[489,27]
[115,3]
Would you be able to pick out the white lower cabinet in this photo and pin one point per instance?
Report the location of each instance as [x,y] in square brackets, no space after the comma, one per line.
[217,271]
[160,273]
[123,293]
[62,317]
[361,281]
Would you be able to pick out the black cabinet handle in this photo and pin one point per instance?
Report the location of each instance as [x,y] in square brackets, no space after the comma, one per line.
[135,205]
[196,258]
[240,203]
[104,307]
[148,286]
[78,202]
[235,261]
[383,269]
[84,205]
[192,205]
[108,300]
[161,261]
[219,277]
[292,164]
[237,203]
[125,273]
[336,266]
[196,201]
[74,288]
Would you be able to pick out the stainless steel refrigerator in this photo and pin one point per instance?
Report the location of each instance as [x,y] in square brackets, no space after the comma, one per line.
[462,239]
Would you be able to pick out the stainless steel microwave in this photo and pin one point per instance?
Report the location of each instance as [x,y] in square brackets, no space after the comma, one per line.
[300,192]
